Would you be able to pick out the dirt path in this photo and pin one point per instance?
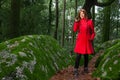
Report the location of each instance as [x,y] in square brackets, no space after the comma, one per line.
[67,74]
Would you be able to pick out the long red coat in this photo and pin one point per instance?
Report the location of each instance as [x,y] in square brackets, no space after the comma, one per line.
[85,36]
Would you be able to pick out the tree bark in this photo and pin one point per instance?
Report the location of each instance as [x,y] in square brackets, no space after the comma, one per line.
[56,29]
[73,34]
[50,17]
[0,18]
[15,19]
[89,3]
[0,24]
[63,29]
[76,4]
[93,14]
[117,36]
[106,24]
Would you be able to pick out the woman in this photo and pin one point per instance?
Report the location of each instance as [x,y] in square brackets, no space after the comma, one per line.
[85,36]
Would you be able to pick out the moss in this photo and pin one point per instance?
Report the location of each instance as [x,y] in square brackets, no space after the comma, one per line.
[108,63]
[32,57]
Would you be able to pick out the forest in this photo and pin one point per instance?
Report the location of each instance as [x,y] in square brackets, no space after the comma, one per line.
[37,38]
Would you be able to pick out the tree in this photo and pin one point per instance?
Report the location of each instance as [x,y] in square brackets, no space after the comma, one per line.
[56,29]
[76,4]
[106,24]
[73,34]
[13,30]
[63,29]
[0,23]
[50,16]
[93,13]
[89,3]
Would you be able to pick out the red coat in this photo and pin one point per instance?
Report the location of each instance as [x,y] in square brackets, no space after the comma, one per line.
[85,36]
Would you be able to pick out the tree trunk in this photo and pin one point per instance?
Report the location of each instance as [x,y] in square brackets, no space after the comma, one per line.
[0,25]
[93,14]
[15,19]
[63,29]
[50,17]
[0,18]
[76,4]
[56,29]
[73,34]
[89,3]
[106,24]
[87,6]
[117,36]
[118,18]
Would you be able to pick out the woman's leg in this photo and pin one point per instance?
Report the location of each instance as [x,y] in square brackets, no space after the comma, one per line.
[77,61]
[86,63]
[77,64]
[86,60]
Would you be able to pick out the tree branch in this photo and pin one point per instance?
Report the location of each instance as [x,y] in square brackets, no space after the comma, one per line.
[103,4]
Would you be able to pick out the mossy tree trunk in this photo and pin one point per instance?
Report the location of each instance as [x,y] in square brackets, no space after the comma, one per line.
[63,28]
[57,16]
[13,30]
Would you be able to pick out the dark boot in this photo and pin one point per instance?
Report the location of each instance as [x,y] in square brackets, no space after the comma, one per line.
[86,70]
[76,73]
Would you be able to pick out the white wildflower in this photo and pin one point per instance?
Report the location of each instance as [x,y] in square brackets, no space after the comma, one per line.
[30,36]
[8,58]
[56,66]
[104,74]
[8,46]
[105,64]
[19,73]
[31,66]
[22,54]
[115,62]
[38,37]
[7,78]
[23,40]
[13,45]
[42,67]
[110,68]
[31,44]
[13,60]
[25,64]
[6,42]
[4,54]
[46,71]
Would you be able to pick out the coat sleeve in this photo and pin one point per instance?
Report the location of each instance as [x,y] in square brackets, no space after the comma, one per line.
[75,26]
[92,30]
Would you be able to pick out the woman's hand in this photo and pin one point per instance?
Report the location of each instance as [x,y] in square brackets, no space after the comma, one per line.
[76,19]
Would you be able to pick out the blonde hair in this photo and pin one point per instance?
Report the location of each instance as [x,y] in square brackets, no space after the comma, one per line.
[81,10]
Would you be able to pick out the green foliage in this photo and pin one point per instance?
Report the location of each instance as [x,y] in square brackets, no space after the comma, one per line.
[109,62]
[34,19]
[32,57]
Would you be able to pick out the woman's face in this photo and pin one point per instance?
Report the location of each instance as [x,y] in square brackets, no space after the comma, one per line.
[82,15]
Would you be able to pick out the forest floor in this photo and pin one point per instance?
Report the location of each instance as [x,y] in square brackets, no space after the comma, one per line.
[67,73]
